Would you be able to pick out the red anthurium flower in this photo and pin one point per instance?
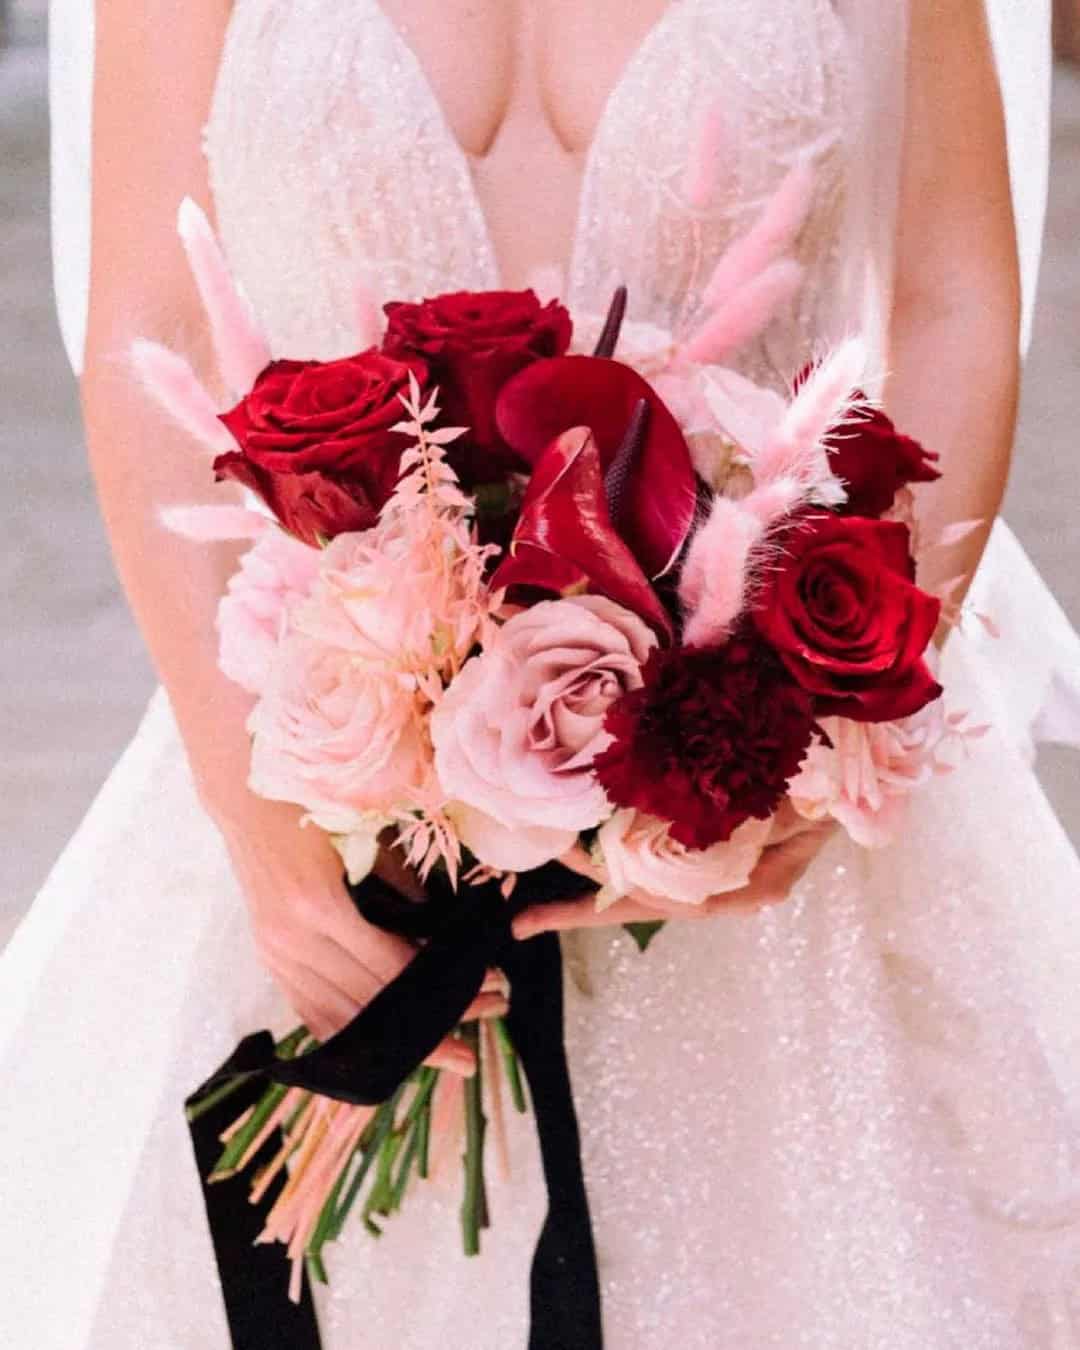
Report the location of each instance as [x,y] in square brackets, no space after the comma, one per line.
[551,396]
[565,541]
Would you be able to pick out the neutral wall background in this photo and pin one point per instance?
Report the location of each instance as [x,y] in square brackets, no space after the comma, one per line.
[74,677]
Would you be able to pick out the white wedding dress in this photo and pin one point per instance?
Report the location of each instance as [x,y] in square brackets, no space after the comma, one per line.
[849,1123]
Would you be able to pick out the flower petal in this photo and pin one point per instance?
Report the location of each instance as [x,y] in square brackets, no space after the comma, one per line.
[564,538]
[551,396]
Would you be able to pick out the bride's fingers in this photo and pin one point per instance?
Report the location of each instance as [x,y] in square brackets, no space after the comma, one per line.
[495,982]
[580,913]
[320,1005]
[779,870]
[454,1057]
[487,1005]
[579,860]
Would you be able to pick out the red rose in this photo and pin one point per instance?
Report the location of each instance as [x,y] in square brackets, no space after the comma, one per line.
[875,461]
[847,619]
[316,442]
[474,341]
[711,739]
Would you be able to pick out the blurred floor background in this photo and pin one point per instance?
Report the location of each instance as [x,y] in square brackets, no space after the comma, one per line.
[75,677]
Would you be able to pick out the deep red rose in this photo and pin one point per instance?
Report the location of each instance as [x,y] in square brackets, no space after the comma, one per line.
[711,739]
[474,341]
[315,440]
[875,461]
[844,613]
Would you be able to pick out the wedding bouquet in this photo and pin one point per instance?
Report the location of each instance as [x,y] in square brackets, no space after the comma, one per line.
[510,594]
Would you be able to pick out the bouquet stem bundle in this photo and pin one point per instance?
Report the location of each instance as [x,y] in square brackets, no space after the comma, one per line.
[339,1155]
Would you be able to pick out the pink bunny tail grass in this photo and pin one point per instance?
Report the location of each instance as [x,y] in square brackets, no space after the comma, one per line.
[369,317]
[169,379]
[773,235]
[703,158]
[713,585]
[771,502]
[241,349]
[214,524]
[744,314]
[823,403]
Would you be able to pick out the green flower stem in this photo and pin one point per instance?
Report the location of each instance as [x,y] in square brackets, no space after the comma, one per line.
[322,1228]
[408,1161]
[238,1145]
[383,1124]
[423,1131]
[425,1079]
[511,1065]
[379,1197]
[199,1109]
[286,1049]
[474,1203]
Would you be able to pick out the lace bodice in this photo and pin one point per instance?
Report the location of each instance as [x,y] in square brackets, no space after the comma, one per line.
[330,159]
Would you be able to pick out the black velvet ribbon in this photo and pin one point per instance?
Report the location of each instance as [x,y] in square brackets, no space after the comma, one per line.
[464,935]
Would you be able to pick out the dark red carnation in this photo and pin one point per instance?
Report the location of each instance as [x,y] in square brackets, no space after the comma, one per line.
[711,739]
[875,461]
[315,440]
[844,613]
[474,341]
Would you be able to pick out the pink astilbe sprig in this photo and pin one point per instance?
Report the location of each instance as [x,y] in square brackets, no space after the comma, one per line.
[391,618]
[242,350]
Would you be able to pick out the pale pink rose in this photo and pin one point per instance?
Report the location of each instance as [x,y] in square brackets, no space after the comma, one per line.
[639,854]
[517,730]
[335,735]
[274,572]
[408,594]
[865,778]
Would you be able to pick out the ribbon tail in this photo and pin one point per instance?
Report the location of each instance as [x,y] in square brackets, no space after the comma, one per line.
[260,1317]
[565,1284]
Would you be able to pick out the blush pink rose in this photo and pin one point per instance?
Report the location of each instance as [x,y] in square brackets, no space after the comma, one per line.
[639,854]
[866,777]
[517,730]
[409,594]
[276,570]
[335,735]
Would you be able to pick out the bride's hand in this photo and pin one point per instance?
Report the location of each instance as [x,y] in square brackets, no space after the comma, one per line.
[327,960]
[781,866]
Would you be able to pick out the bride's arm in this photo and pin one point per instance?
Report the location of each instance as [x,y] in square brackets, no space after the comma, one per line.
[155,65]
[954,357]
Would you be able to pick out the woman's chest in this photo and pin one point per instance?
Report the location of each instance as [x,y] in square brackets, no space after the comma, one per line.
[346,138]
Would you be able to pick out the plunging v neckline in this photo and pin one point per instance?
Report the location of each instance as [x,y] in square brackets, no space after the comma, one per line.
[463,161]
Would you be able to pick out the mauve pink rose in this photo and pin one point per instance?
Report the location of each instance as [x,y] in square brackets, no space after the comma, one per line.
[639,854]
[517,730]
[335,735]
[277,569]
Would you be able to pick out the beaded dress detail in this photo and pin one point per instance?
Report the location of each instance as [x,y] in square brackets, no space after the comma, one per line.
[849,1122]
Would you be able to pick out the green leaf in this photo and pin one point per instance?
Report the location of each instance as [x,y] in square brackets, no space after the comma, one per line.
[643,933]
